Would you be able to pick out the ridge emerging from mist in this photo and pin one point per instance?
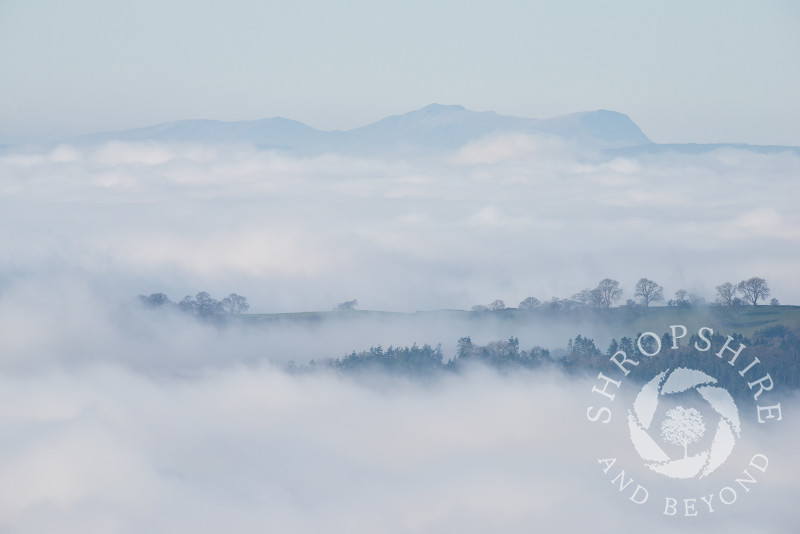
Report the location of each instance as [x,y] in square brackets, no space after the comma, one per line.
[432,128]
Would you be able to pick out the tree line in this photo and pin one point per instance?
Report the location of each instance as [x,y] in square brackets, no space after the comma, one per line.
[201,305]
[609,292]
[428,361]
[605,295]
[777,347]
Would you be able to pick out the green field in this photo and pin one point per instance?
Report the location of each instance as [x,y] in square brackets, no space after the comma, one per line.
[744,320]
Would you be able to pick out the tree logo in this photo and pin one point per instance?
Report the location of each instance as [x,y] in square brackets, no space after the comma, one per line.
[681,427]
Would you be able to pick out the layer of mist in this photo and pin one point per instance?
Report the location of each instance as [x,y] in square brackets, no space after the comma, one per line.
[117,418]
[147,425]
[504,218]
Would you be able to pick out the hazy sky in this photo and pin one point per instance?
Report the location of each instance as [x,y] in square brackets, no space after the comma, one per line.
[684,71]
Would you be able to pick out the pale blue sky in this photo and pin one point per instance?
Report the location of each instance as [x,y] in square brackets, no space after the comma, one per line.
[684,71]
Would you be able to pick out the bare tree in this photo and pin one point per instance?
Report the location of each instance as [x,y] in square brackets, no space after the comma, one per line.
[497,305]
[753,290]
[206,305]
[726,293]
[649,291]
[682,427]
[608,292]
[529,303]
[596,298]
[235,304]
[584,297]
[589,297]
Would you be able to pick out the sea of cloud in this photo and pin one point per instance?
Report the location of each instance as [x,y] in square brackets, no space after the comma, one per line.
[118,419]
[98,435]
[506,218]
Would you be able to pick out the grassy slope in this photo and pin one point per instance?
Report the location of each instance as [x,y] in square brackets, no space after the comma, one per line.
[744,320]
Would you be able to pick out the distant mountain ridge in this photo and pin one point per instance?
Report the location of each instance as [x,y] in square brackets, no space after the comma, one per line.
[434,127]
[277,132]
[453,126]
[431,129]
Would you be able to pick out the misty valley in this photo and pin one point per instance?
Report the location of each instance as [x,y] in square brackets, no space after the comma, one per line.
[770,333]
[248,390]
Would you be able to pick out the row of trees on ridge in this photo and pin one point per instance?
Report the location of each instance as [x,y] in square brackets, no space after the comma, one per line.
[608,292]
[202,304]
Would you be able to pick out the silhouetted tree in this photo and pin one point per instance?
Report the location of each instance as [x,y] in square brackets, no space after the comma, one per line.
[497,305]
[583,297]
[609,292]
[235,304]
[464,347]
[589,298]
[649,291]
[529,303]
[666,340]
[753,290]
[626,345]
[206,305]
[582,346]
[188,304]
[726,293]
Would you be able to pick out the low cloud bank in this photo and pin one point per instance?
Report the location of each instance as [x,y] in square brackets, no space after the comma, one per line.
[507,218]
[253,449]
[126,420]
[117,419]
